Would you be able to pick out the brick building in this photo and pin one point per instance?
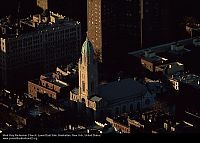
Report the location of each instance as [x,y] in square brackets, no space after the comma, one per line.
[48,85]
[150,60]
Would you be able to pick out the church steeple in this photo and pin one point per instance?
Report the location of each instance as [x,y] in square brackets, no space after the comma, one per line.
[87,52]
[88,77]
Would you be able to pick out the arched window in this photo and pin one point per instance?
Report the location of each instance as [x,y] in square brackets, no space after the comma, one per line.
[83,100]
[83,86]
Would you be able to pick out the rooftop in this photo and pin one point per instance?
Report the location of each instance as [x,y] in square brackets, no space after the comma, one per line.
[56,82]
[191,79]
[121,89]
[170,65]
[154,87]
[35,23]
[39,109]
[49,79]
[155,59]
[174,47]
[96,99]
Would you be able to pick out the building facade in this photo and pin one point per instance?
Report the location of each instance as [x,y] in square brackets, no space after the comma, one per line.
[48,85]
[55,85]
[37,45]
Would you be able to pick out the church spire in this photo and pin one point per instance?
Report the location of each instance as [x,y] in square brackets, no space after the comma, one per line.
[88,77]
[87,51]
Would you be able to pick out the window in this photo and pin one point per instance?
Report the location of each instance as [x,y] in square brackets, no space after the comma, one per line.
[83,100]
[83,86]
[84,59]
[83,76]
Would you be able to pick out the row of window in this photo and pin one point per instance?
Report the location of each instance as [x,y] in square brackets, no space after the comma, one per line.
[121,128]
[124,108]
[34,90]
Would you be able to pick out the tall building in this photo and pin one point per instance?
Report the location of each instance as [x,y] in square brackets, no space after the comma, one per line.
[157,22]
[35,45]
[117,27]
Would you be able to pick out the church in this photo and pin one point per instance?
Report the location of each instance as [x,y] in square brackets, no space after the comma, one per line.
[100,100]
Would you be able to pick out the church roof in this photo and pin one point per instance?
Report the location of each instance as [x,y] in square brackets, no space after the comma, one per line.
[87,48]
[121,89]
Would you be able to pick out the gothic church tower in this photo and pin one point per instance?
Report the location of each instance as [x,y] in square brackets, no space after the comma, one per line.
[88,75]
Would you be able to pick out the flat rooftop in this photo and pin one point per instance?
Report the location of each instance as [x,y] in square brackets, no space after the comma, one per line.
[56,82]
[155,58]
[51,80]
[35,23]
[172,64]
[191,79]
[166,47]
